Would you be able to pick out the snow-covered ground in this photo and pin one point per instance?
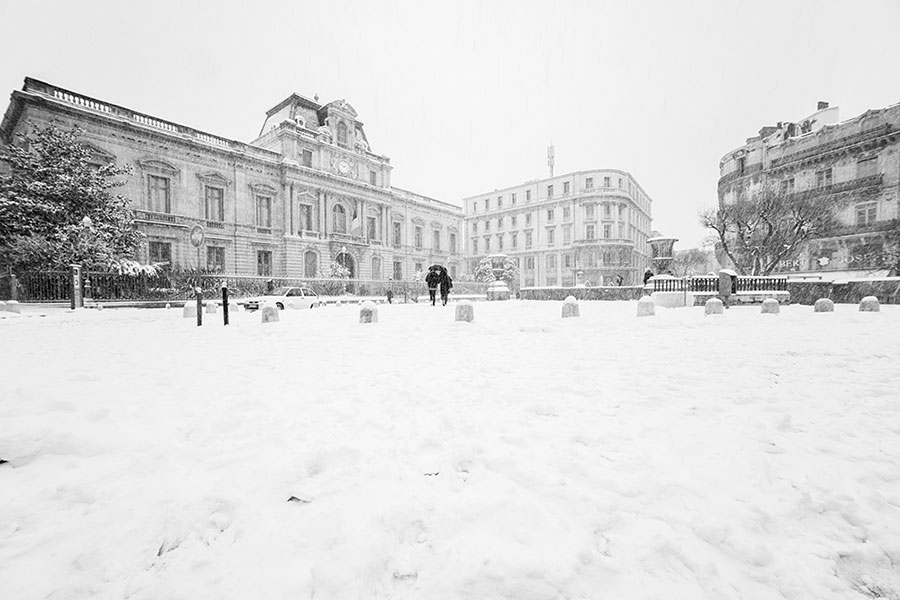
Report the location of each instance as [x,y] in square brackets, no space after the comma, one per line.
[520,456]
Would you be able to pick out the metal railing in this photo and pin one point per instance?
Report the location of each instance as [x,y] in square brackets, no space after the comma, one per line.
[711,284]
[55,286]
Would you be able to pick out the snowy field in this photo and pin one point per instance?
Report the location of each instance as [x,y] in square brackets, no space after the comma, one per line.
[521,456]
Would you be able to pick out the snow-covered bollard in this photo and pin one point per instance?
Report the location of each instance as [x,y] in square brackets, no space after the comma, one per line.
[770,307]
[368,313]
[465,311]
[714,306]
[168,306]
[2,305]
[13,307]
[869,304]
[338,303]
[823,305]
[189,311]
[211,308]
[646,307]
[269,314]
[99,306]
[570,308]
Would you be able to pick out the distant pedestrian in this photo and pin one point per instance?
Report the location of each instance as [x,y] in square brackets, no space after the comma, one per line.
[647,275]
[433,280]
[619,280]
[446,285]
[390,296]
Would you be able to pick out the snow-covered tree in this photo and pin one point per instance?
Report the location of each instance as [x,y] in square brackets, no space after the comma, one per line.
[56,207]
[509,272]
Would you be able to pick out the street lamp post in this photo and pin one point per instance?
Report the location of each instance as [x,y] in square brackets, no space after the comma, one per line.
[343,263]
[86,225]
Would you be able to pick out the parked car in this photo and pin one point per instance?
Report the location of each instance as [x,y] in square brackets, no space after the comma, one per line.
[284,297]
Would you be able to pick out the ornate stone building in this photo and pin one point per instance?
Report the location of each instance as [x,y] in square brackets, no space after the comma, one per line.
[308,192]
[585,227]
[853,165]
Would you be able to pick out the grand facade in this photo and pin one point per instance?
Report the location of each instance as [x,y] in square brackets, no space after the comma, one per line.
[308,193]
[852,165]
[588,227]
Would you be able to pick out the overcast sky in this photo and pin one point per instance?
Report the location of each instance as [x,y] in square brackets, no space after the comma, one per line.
[465,97]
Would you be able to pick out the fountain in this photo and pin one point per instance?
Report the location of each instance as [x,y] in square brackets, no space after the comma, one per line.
[497,289]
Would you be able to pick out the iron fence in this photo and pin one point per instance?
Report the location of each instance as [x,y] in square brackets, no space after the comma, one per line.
[55,286]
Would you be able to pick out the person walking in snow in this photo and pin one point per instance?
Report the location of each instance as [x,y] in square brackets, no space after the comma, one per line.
[433,280]
[446,285]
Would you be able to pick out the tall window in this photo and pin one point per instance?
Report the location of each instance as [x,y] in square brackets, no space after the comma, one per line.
[550,214]
[342,134]
[487,224]
[499,222]
[867,167]
[371,228]
[453,243]
[474,245]
[551,236]
[514,240]
[306,217]
[551,262]
[397,229]
[528,220]
[589,211]
[264,211]
[487,204]
[263,262]
[565,187]
[567,213]
[474,226]
[607,231]
[474,206]
[606,182]
[513,219]
[499,201]
[376,267]
[418,267]
[487,243]
[549,191]
[529,263]
[160,252]
[398,270]
[215,258]
[527,240]
[589,232]
[621,185]
[500,243]
[567,261]
[589,183]
[567,234]
[310,264]
[215,204]
[338,219]
[418,237]
[866,213]
[607,211]
[527,195]
[512,198]
[436,240]
[306,158]
[158,194]
[823,178]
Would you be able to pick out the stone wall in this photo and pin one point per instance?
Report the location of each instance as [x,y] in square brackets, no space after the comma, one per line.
[887,290]
[582,293]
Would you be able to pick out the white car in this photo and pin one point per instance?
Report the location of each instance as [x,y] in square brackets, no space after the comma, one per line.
[284,297]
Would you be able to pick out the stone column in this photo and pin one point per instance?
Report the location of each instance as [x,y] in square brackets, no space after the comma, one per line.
[363,221]
[323,214]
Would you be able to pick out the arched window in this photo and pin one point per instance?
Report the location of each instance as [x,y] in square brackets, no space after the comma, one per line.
[376,267]
[310,264]
[342,134]
[339,220]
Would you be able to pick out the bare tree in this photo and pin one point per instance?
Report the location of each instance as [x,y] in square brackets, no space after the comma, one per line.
[687,261]
[760,231]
